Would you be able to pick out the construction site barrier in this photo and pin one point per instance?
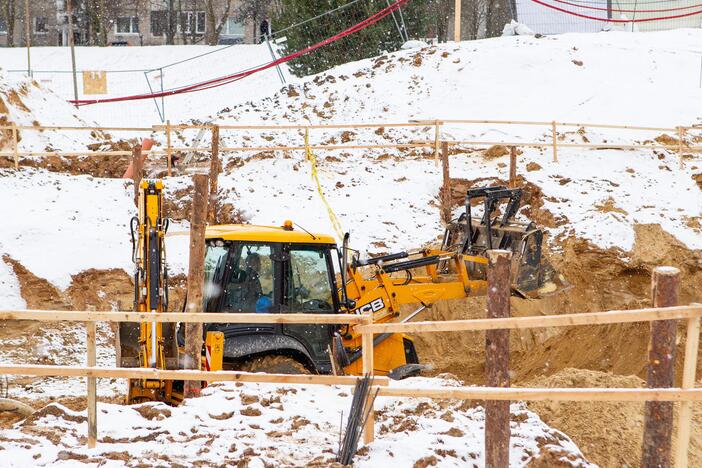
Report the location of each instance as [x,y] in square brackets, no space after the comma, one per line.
[551,133]
[686,394]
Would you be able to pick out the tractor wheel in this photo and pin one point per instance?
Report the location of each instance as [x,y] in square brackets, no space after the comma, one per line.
[274,364]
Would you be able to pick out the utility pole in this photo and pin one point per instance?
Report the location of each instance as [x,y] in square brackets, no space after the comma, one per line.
[27,37]
[457,22]
[69,8]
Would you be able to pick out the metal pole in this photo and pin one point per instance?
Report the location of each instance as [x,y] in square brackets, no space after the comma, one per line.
[69,8]
[27,37]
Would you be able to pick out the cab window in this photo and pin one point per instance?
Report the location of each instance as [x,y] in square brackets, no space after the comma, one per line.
[309,288]
[250,284]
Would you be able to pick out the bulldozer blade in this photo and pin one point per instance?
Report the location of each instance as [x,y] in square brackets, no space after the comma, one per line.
[533,276]
[535,281]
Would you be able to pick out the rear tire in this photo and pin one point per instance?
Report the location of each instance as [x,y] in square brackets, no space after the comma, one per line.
[274,364]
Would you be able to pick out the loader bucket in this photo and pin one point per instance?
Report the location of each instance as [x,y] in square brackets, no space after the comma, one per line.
[533,276]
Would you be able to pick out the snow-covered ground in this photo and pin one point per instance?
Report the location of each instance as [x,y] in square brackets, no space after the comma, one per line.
[58,225]
[278,425]
[388,199]
[125,77]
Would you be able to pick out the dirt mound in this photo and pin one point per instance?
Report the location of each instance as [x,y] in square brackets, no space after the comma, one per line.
[37,292]
[602,280]
[608,433]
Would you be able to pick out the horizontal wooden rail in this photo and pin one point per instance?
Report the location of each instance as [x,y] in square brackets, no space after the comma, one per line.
[520,323]
[326,147]
[560,124]
[162,374]
[294,127]
[602,146]
[545,394]
[99,129]
[170,317]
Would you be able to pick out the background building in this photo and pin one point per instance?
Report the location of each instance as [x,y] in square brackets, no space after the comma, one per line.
[129,22]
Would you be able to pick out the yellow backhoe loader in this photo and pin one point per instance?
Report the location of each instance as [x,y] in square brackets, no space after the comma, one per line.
[269,269]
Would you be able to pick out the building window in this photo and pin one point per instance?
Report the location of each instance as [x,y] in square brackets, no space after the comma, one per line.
[128,25]
[159,23]
[234,28]
[41,25]
[193,20]
[3,26]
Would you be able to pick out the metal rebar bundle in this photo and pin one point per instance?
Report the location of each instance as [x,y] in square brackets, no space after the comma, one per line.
[361,407]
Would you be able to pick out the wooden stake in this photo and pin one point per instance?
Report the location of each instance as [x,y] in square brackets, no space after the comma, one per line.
[445,191]
[169,152]
[555,141]
[457,22]
[512,166]
[658,416]
[437,137]
[92,386]
[368,362]
[497,431]
[692,341]
[680,146]
[15,145]
[196,279]
[215,169]
[138,170]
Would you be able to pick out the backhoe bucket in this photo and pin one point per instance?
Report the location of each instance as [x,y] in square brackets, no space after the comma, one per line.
[533,276]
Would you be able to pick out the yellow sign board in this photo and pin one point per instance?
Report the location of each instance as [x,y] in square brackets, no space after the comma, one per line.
[94,82]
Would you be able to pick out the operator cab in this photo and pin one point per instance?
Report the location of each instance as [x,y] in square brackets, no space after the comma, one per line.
[262,269]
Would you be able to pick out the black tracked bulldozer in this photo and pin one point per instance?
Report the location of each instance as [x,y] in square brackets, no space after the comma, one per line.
[533,276]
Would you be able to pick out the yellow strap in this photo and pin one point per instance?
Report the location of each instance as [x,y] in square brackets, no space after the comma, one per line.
[336,224]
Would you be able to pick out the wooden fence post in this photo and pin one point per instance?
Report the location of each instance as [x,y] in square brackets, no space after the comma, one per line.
[215,169]
[437,138]
[681,135]
[512,166]
[554,135]
[457,22]
[15,145]
[138,170]
[658,416]
[92,385]
[169,152]
[196,279]
[692,340]
[368,363]
[445,191]
[497,432]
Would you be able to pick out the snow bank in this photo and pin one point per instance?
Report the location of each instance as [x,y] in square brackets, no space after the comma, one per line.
[27,103]
[388,199]
[58,225]
[282,425]
[55,74]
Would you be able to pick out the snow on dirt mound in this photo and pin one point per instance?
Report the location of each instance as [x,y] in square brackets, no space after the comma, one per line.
[27,103]
[388,198]
[58,225]
[279,425]
[608,77]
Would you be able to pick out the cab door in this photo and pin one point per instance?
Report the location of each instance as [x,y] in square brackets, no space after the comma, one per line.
[308,287]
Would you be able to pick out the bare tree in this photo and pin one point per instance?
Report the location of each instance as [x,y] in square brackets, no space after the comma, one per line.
[8,13]
[473,18]
[214,21]
[498,13]
[255,10]
[444,10]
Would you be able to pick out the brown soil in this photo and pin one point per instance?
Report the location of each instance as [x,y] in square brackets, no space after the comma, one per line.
[608,433]
[496,151]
